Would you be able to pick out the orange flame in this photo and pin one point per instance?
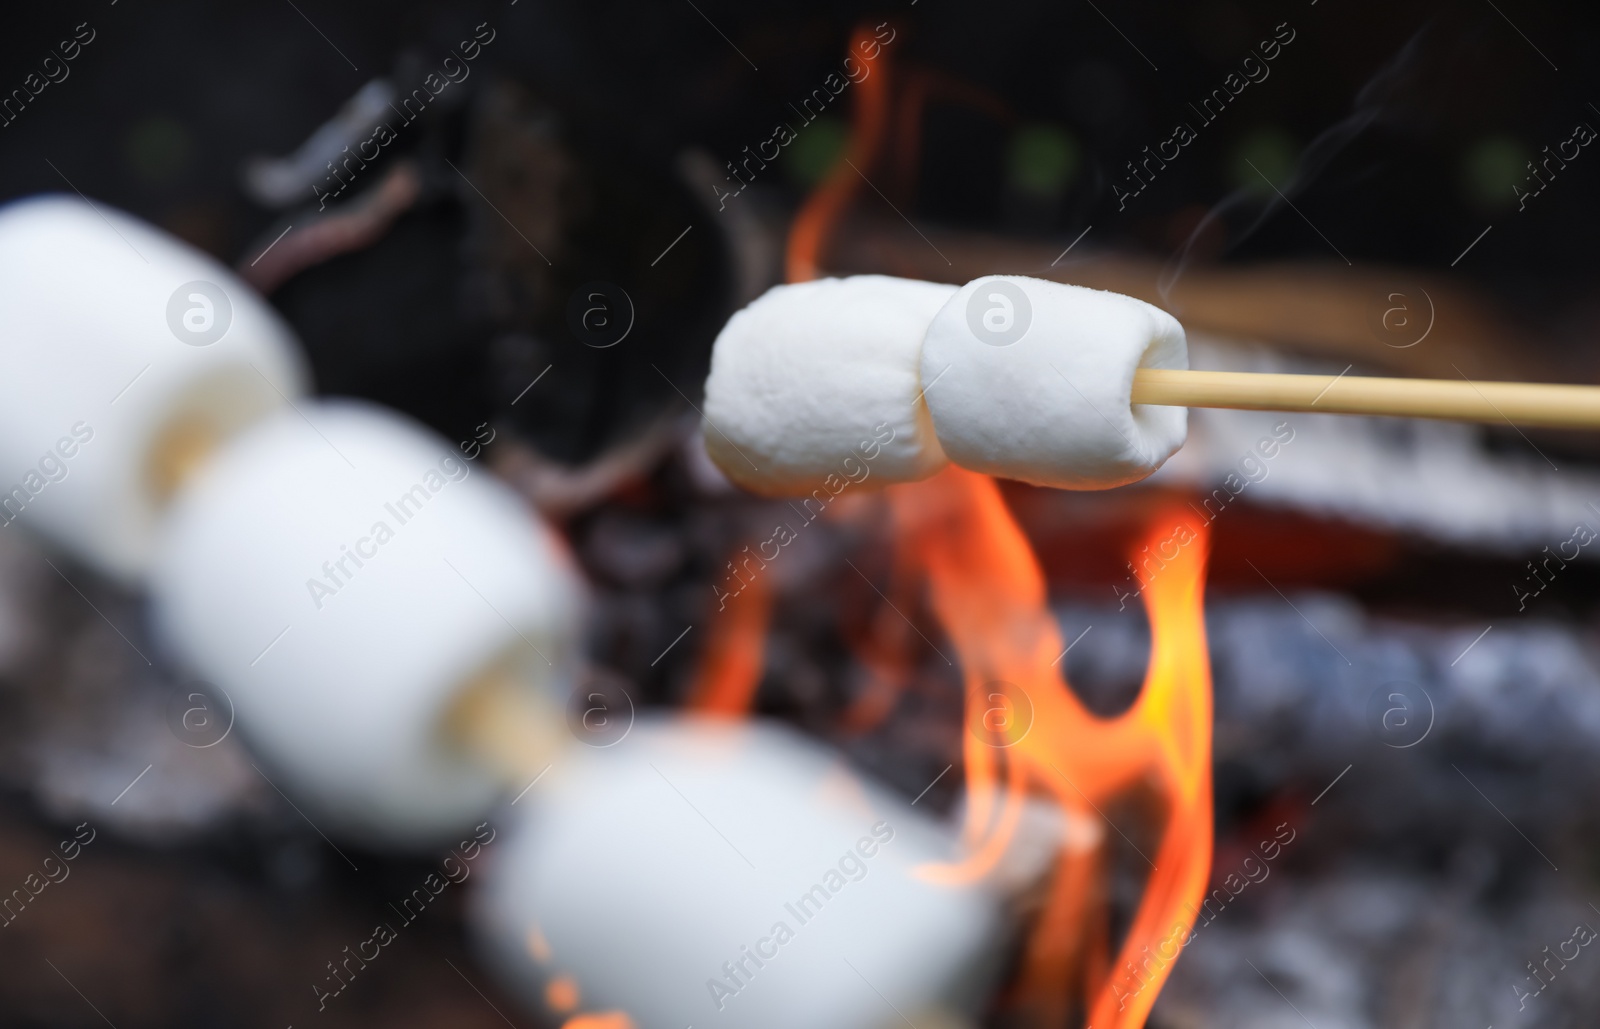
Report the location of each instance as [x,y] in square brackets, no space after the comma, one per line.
[731,661]
[987,591]
[823,207]
[603,1020]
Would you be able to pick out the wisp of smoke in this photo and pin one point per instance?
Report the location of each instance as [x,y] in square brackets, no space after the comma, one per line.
[1369,104]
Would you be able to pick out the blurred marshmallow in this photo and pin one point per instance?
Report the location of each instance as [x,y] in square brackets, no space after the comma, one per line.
[818,381]
[343,575]
[1033,380]
[127,353]
[730,874]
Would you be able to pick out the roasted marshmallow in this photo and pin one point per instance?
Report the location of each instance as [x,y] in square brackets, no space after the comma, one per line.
[128,355]
[730,874]
[1033,380]
[817,383]
[344,575]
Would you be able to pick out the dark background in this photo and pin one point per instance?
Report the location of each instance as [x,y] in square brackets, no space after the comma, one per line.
[161,108]
[1397,130]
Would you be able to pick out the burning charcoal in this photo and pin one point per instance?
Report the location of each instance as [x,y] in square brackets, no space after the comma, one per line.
[344,581]
[1304,692]
[128,356]
[730,873]
[1362,946]
[632,551]
[93,730]
[629,628]
[126,759]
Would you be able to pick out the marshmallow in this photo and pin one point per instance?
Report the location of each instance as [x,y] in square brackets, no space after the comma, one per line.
[343,575]
[730,874]
[819,380]
[126,354]
[1032,380]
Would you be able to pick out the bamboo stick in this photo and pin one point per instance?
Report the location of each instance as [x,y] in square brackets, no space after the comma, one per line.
[509,728]
[1520,403]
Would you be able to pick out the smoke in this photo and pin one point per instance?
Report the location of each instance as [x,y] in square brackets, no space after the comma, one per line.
[1370,103]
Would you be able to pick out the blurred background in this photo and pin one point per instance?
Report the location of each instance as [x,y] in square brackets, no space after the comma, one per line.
[1400,188]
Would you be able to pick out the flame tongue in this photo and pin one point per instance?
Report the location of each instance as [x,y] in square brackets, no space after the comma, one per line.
[987,591]
[1029,732]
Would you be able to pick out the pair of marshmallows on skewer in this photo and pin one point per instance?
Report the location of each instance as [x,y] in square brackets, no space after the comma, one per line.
[399,634]
[1022,378]
[974,375]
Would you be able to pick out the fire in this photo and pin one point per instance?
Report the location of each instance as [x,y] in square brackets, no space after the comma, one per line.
[604,1020]
[1028,733]
[987,591]
[730,667]
[823,208]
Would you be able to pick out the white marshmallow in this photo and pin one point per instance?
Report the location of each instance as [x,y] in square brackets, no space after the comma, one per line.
[640,870]
[1032,380]
[810,379]
[340,679]
[88,350]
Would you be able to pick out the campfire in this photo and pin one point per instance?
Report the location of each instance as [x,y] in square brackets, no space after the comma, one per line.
[550,582]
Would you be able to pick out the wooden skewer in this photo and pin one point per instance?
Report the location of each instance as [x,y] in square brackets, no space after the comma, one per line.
[512,730]
[1521,403]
